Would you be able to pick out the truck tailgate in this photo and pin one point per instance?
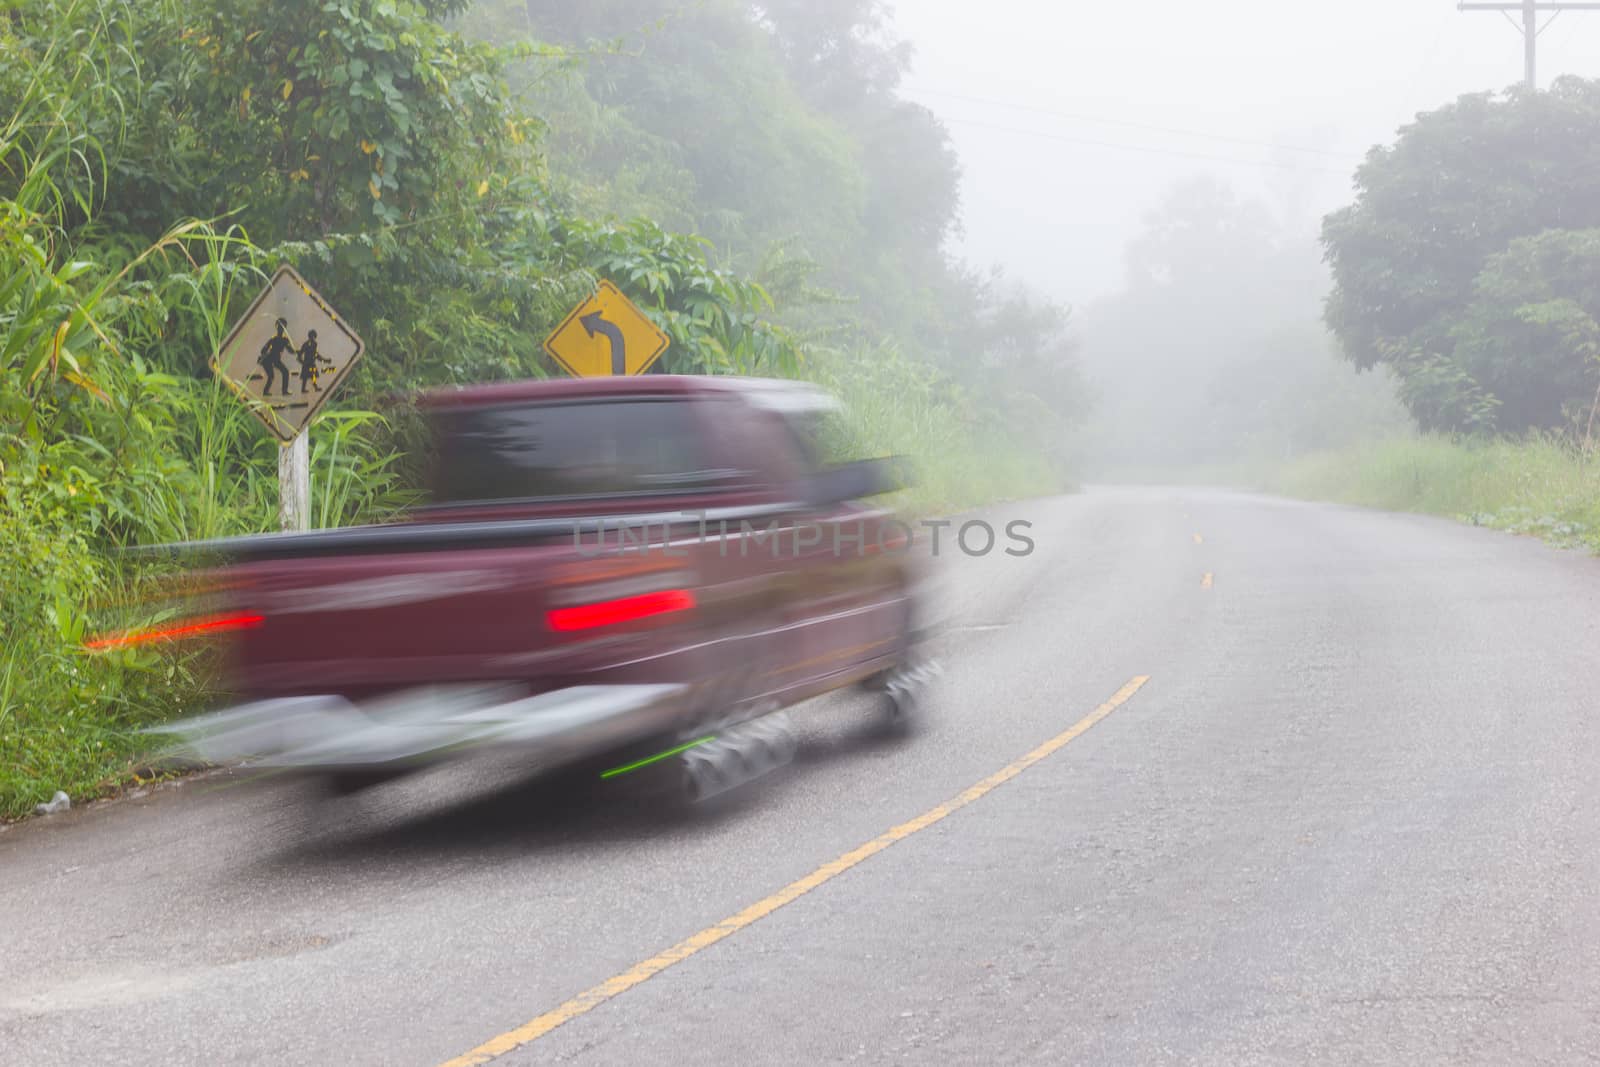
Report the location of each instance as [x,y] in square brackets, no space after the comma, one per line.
[543,613]
[355,624]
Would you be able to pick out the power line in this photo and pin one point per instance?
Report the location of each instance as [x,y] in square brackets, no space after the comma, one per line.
[1175,153]
[1134,125]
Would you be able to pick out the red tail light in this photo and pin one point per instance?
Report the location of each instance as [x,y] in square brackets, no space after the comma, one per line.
[192,628]
[626,609]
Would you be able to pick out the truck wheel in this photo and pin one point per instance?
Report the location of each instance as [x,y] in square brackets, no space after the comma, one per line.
[738,756]
[902,688]
[904,692]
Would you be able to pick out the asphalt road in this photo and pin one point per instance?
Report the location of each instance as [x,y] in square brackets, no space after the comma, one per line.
[1353,816]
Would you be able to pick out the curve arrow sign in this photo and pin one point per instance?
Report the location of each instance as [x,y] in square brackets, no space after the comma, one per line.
[595,323]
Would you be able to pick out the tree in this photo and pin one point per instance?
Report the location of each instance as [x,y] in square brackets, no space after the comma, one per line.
[775,128]
[1536,303]
[756,124]
[1409,257]
[839,52]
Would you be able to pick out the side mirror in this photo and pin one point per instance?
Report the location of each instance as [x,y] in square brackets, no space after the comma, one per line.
[857,481]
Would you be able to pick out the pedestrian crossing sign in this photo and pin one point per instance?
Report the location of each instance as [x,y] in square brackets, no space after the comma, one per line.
[287,355]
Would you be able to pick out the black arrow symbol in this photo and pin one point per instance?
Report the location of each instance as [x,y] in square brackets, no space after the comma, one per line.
[594,323]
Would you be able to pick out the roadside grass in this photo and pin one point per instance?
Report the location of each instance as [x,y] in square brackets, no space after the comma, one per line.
[70,718]
[87,750]
[1540,486]
[959,459]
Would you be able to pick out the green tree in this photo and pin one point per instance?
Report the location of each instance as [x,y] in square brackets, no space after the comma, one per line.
[384,155]
[1409,257]
[838,52]
[1536,303]
[776,130]
[761,124]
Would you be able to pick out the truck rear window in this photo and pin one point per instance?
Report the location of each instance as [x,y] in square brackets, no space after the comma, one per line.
[572,449]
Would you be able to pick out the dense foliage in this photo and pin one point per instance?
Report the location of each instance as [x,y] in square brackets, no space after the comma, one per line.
[158,159]
[775,128]
[1466,263]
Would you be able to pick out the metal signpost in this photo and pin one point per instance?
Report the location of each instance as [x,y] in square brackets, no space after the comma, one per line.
[285,358]
[606,336]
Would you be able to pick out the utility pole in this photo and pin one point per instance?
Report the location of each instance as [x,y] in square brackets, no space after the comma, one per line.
[1531,9]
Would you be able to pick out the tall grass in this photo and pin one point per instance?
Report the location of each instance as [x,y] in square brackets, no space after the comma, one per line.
[1543,485]
[355,477]
[102,442]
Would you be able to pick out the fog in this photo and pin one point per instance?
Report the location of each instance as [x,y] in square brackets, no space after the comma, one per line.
[1163,170]
[1024,86]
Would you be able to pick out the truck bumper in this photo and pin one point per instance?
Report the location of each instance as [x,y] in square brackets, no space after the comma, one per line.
[329,733]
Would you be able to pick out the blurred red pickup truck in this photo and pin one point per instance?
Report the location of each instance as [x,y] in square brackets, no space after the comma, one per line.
[607,569]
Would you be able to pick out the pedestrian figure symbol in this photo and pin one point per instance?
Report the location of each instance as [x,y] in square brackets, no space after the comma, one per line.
[271,358]
[309,358]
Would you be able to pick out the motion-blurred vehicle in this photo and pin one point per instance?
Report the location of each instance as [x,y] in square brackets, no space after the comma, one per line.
[608,570]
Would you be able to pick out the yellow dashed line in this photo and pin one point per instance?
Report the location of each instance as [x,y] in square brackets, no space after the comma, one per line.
[590,999]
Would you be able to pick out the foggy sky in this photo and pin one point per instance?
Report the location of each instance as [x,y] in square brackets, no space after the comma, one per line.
[1019,81]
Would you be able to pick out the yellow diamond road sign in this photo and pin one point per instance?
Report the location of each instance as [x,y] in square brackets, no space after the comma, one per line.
[606,336]
[288,354]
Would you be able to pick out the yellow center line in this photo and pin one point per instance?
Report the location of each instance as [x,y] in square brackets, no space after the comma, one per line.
[590,999]
[1206,582]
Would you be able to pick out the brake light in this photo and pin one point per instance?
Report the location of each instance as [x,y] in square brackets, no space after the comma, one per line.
[195,628]
[625,609]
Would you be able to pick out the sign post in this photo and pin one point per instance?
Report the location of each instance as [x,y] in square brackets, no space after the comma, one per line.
[294,484]
[288,323]
[606,336]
